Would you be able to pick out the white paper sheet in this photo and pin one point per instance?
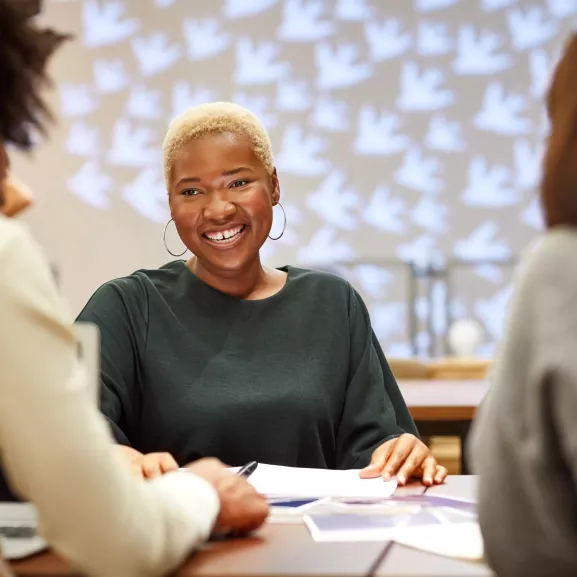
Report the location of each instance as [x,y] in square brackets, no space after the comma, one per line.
[273,480]
[345,527]
[19,515]
[431,530]
[460,541]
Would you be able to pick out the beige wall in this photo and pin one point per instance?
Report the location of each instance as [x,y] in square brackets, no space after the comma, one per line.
[346,199]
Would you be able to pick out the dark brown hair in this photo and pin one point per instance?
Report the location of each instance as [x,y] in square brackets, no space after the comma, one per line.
[559,184]
[24,52]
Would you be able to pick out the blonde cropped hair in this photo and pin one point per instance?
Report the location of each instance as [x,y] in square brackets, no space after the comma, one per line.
[216,118]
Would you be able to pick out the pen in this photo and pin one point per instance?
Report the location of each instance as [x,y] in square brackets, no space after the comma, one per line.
[248,469]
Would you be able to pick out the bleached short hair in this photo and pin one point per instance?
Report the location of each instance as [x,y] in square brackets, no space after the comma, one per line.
[216,118]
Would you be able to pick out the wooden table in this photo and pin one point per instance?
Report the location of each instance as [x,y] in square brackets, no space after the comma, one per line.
[432,400]
[288,550]
[444,408]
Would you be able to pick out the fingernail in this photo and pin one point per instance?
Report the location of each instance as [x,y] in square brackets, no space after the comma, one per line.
[401,479]
[387,476]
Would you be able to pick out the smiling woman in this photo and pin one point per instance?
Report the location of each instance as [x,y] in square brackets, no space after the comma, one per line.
[222,186]
[223,356]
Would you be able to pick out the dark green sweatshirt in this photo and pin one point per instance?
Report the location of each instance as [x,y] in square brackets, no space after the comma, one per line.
[295,379]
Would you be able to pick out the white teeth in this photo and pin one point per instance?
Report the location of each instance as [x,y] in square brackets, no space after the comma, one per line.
[225,235]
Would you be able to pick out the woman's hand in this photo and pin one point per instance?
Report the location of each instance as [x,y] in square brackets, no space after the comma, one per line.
[242,509]
[150,465]
[406,456]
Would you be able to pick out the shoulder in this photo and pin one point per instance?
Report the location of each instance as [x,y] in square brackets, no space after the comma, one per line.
[134,289]
[141,280]
[321,280]
[26,278]
[550,263]
[20,252]
[545,292]
[329,288]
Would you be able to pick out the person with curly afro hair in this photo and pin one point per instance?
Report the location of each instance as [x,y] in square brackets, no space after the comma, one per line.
[56,448]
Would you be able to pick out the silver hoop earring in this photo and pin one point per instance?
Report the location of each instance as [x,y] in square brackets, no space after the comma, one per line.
[166,246]
[283,226]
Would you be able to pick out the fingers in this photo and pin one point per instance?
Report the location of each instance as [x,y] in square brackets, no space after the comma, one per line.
[429,469]
[208,468]
[156,464]
[404,457]
[151,467]
[440,475]
[256,514]
[136,468]
[167,462]
[378,460]
[402,450]
[413,462]
[128,452]
[242,509]
[133,458]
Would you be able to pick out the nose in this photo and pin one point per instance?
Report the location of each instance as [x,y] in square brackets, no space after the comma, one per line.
[219,208]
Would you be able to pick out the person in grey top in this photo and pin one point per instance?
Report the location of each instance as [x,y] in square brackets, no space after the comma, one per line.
[524,440]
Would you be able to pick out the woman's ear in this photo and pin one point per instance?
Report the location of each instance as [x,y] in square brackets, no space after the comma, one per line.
[275,188]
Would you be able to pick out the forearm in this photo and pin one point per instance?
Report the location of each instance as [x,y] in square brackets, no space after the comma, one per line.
[57,449]
[91,508]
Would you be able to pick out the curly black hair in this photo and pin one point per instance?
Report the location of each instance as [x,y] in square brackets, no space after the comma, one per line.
[24,52]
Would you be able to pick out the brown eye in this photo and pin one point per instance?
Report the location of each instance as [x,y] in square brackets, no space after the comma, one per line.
[190,192]
[239,183]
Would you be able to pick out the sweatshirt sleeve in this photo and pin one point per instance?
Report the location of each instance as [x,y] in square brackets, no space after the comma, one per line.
[119,309]
[524,437]
[57,449]
[374,410]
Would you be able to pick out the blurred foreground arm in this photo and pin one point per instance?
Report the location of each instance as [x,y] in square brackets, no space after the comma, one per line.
[57,448]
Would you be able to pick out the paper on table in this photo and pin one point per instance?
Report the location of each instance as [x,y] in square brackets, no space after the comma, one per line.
[19,515]
[441,530]
[273,480]
[461,541]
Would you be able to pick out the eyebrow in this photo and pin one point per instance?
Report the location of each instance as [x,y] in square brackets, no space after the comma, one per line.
[236,170]
[231,172]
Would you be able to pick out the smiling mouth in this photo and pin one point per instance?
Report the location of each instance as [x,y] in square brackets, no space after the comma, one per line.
[225,236]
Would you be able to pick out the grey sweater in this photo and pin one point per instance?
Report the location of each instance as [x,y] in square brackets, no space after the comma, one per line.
[524,441]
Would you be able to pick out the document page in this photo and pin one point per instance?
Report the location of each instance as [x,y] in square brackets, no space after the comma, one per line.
[18,538]
[273,481]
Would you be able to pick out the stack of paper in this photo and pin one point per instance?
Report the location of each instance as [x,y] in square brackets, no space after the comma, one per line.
[276,481]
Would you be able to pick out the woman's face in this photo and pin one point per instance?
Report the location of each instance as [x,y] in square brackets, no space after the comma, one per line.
[221,199]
